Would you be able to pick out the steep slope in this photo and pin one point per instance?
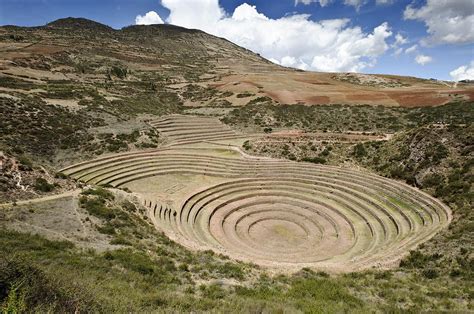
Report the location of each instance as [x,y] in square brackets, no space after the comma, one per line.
[77,49]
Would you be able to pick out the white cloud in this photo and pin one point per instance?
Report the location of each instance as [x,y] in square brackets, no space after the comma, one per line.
[322,3]
[355,3]
[150,18]
[400,40]
[423,59]
[329,45]
[411,49]
[201,14]
[398,51]
[465,72]
[383,2]
[447,21]
[247,12]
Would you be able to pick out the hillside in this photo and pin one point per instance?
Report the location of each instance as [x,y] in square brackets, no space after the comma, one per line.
[162,169]
[78,50]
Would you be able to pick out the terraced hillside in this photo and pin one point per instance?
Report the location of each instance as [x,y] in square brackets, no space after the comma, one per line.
[271,212]
[182,129]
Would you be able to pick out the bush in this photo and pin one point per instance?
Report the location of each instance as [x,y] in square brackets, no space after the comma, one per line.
[107,229]
[247,145]
[213,291]
[25,163]
[430,273]
[433,180]
[60,175]
[43,186]
[359,151]
[129,206]
[97,207]
[135,261]
[120,241]
[314,160]
[231,270]
[100,192]
[244,95]
[119,72]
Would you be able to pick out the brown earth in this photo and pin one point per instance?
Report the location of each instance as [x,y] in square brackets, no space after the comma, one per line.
[291,87]
[63,51]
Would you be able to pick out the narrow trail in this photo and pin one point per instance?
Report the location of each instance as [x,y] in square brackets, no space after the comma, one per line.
[43,199]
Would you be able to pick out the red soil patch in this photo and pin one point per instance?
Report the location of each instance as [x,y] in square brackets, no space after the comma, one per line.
[367,97]
[418,98]
[314,100]
[283,96]
[319,88]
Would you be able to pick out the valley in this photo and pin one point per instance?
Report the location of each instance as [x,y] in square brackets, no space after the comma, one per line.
[158,168]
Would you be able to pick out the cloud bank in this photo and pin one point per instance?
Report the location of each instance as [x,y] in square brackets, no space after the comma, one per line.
[465,72]
[447,21]
[150,18]
[295,40]
[355,3]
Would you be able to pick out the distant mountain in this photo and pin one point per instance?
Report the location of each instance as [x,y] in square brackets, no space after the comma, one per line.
[78,23]
[189,56]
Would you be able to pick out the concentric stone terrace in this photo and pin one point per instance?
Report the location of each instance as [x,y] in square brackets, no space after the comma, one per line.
[184,129]
[273,212]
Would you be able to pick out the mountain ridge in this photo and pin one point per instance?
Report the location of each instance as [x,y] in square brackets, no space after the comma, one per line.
[216,62]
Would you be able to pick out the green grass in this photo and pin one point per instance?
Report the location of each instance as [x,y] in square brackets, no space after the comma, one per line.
[146,272]
[42,185]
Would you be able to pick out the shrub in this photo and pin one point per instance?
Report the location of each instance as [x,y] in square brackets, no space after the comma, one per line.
[135,261]
[100,192]
[43,186]
[321,289]
[213,291]
[244,95]
[60,175]
[25,163]
[314,160]
[96,207]
[120,241]
[107,229]
[247,145]
[430,273]
[119,72]
[431,180]
[231,270]
[184,267]
[359,151]
[129,206]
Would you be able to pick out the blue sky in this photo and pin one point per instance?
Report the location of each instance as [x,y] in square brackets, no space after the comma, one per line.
[362,37]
